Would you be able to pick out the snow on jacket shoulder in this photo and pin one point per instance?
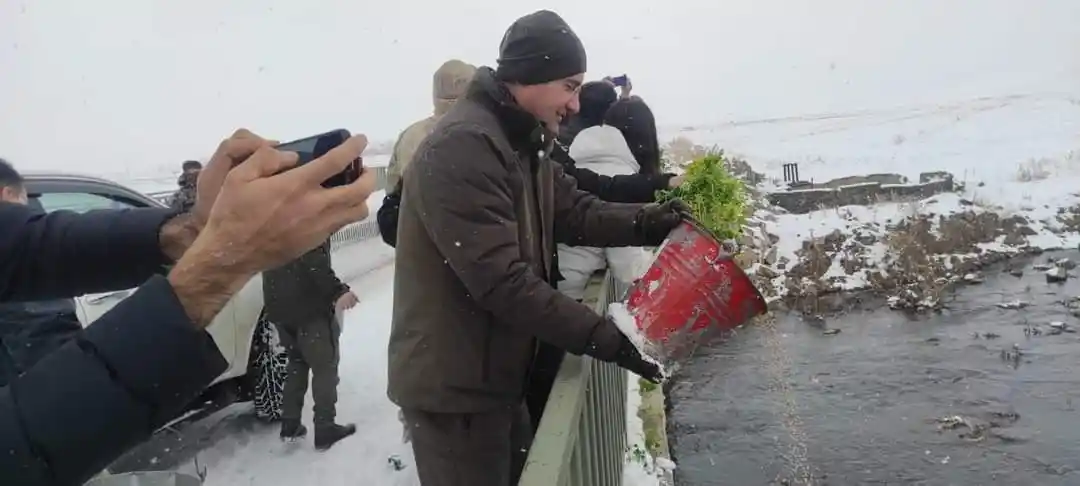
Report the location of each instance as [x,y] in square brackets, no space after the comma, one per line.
[603,150]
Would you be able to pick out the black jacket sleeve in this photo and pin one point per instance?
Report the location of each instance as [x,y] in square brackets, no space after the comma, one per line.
[62,254]
[91,400]
[629,188]
[321,275]
[387,216]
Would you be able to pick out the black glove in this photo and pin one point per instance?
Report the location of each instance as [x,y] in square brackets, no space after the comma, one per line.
[629,358]
[655,221]
[608,343]
[387,217]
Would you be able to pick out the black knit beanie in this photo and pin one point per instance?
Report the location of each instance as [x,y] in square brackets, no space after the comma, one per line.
[539,48]
[596,97]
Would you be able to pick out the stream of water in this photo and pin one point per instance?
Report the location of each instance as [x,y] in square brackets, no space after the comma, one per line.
[974,395]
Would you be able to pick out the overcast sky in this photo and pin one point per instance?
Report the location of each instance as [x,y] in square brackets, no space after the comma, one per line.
[127,85]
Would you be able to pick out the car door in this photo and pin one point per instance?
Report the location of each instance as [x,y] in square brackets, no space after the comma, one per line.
[90,306]
[82,198]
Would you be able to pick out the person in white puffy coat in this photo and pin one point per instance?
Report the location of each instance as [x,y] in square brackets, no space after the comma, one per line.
[606,149]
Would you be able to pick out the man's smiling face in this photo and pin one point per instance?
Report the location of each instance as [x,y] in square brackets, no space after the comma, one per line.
[551,102]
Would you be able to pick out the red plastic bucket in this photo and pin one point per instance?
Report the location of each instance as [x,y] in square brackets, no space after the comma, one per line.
[694,290]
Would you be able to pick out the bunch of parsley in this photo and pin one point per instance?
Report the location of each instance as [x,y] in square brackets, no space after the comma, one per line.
[716,198]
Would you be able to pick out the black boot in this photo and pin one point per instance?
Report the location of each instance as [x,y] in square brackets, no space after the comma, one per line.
[292,430]
[328,435]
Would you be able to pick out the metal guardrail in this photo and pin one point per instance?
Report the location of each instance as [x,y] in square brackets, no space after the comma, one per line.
[582,436]
[350,234]
[354,233]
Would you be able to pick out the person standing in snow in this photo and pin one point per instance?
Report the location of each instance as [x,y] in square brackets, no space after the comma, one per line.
[482,208]
[184,197]
[625,144]
[30,330]
[448,85]
[596,98]
[304,299]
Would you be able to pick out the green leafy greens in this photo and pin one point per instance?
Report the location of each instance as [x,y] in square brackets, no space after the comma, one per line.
[716,198]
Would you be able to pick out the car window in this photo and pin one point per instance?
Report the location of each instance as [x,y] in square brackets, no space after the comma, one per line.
[81,202]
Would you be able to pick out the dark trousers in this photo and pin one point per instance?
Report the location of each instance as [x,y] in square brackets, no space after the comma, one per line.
[544,370]
[541,379]
[470,449]
[312,347]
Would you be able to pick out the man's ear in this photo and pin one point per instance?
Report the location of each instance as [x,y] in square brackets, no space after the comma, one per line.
[10,194]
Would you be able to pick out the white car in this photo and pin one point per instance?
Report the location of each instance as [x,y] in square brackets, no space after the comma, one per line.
[257,363]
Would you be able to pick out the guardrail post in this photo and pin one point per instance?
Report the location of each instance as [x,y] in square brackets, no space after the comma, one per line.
[582,436]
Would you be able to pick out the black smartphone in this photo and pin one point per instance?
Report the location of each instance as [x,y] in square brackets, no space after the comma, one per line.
[619,81]
[315,146]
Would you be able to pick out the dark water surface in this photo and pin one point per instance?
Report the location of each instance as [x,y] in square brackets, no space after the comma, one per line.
[862,407]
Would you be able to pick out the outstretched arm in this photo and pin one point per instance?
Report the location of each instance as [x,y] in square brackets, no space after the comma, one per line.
[624,188]
[321,274]
[109,389]
[61,254]
[465,203]
[582,219]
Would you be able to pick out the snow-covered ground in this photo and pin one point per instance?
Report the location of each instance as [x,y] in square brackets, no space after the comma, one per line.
[1020,152]
[640,467]
[261,458]
[1015,154]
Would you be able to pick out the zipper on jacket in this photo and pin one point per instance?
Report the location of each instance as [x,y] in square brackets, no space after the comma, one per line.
[485,366]
[537,206]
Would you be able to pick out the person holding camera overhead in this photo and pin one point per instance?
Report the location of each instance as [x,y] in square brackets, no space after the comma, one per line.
[144,360]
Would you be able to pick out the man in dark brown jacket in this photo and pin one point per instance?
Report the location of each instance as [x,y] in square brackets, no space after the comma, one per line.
[303,298]
[482,209]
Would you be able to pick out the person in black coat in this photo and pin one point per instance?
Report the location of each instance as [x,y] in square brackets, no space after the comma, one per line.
[30,330]
[112,386]
[104,390]
[595,99]
[304,299]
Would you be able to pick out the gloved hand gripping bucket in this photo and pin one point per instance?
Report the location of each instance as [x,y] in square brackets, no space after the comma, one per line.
[693,291]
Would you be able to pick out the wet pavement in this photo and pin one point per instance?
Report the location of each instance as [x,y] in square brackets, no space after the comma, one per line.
[975,395]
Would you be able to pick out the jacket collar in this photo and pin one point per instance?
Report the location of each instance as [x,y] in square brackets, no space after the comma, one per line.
[522,129]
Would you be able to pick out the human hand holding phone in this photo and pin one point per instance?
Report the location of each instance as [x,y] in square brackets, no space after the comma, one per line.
[310,148]
[623,83]
[262,212]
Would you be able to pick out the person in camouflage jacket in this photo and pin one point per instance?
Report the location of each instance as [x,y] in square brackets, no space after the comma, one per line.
[184,197]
